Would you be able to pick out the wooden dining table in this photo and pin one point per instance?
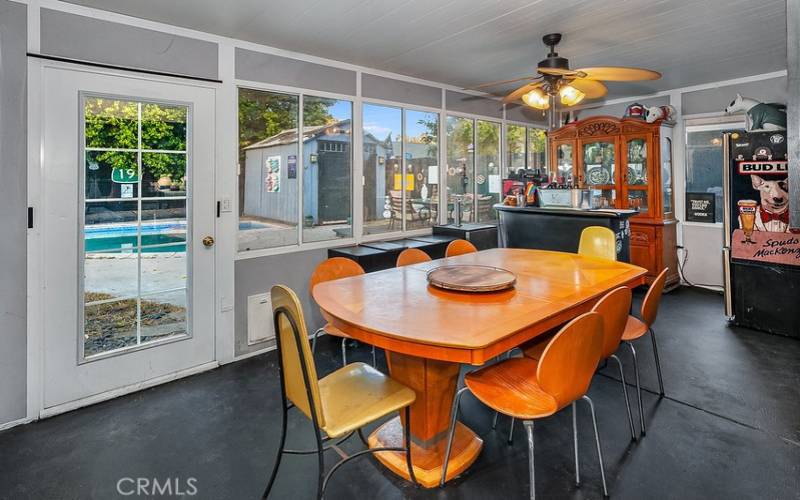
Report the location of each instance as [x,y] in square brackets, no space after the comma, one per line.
[428,333]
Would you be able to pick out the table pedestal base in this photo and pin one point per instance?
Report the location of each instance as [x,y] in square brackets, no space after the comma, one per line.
[427,461]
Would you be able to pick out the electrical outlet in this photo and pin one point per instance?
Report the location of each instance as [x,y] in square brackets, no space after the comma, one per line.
[227,206]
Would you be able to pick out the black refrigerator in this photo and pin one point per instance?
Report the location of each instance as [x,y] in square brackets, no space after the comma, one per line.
[761,256]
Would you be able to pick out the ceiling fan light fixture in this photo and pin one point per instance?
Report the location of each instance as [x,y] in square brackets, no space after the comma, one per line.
[536,98]
[570,96]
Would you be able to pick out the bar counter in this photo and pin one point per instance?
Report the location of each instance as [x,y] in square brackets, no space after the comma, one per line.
[560,228]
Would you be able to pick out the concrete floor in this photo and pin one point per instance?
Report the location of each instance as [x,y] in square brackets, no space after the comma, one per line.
[728,428]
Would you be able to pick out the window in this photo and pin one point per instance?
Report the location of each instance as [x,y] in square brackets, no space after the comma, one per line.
[537,149]
[460,163]
[327,169]
[421,155]
[488,184]
[383,161]
[515,148]
[704,157]
[135,223]
[276,172]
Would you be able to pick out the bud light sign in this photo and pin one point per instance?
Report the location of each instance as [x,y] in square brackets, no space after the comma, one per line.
[780,167]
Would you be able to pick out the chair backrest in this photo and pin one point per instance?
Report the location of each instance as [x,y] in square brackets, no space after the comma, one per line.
[653,298]
[485,204]
[299,375]
[614,307]
[396,201]
[412,256]
[459,247]
[334,269]
[570,359]
[598,241]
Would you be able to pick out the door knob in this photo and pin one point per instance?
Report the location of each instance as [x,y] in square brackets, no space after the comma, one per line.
[208,241]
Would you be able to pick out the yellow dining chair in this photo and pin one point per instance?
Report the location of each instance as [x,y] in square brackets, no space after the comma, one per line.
[598,241]
[459,247]
[328,270]
[636,328]
[338,404]
[531,389]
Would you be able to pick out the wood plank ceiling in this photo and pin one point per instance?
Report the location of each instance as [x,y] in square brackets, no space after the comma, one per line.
[466,42]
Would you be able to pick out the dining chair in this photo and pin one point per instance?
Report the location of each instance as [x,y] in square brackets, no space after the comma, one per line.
[613,308]
[412,256]
[598,241]
[337,405]
[636,328]
[530,389]
[459,247]
[328,270]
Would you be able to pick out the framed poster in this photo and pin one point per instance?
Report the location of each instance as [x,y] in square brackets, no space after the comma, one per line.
[700,207]
[272,174]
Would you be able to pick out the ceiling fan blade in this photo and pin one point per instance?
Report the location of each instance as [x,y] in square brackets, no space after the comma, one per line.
[501,82]
[517,94]
[556,71]
[619,74]
[592,88]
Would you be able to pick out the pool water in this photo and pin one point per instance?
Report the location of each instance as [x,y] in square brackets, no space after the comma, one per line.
[124,237]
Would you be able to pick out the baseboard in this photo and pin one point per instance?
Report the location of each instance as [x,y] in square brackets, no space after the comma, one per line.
[15,423]
[253,354]
[105,396]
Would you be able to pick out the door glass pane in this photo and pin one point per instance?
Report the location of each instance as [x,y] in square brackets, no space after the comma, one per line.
[704,165]
[488,183]
[637,200]
[604,198]
[129,221]
[598,161]
[537,148]
[268,184]
[327,185]
[565,164]
[382,130]
[460,162]
[163,315]
[637,162]
[421,153]
[515,148]
[666,174]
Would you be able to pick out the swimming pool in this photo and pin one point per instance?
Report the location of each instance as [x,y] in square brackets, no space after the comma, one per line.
[120,237]
[171,236]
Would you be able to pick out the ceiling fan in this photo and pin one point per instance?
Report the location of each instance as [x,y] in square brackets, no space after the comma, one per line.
[555,78]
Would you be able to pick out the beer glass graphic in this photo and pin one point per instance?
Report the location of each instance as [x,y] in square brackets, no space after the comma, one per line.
[747,218]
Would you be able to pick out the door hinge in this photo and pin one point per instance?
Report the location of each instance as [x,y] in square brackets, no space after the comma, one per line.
[30,217]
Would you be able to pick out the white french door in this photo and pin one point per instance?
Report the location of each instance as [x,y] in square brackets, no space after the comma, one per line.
[127,225]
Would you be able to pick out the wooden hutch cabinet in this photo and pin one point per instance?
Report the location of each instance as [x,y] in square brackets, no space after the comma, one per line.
[627,163]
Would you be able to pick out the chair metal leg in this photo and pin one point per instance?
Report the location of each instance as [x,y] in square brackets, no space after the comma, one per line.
[597,441]
[638,387]
[314,340]
[494,420]
[575,441]
[281,443]
[658,363]
[528,424]
[374,360]
[407,432]
[625,393]
[511,431]
[344,352]
[450,433]
[321,480]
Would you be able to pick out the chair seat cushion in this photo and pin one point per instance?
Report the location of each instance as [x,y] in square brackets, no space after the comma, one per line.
[634,328]
[332,330]
[358,394]
[511,388]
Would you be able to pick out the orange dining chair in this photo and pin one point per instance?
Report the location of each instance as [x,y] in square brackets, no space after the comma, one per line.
[412,256]
[531,389]
[636,328]
[614,308]
[333,269]
[339,404]
[598,241]
[459,247]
